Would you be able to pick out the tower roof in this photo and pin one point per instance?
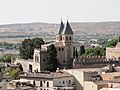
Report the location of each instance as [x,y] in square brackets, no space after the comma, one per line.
[67,29]
[61,27]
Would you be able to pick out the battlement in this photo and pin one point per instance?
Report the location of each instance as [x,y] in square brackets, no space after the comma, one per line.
[89,61]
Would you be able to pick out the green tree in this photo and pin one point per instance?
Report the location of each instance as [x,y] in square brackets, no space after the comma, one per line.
[52,62]
[37,42]
[25,49]
[28,45]
[76,53]
[6,58]
[73,52]
[15,73]
[95,51]
[82,50]
[111,43]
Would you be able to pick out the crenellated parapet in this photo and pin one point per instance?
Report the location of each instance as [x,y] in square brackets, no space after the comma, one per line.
[85,61]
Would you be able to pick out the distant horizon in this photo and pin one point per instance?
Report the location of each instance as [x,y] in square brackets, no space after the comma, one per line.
[59,22]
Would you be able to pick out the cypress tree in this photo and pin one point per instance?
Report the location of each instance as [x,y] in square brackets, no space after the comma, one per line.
[52,62]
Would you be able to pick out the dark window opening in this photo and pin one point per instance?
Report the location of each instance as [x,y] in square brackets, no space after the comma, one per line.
[60,38]
[59,49]
[43,59]
[30,67]
[63,82]
[62,49]
[69,38]
[33,83]
[47,84]
[69,81]
[66,38]
[40,83]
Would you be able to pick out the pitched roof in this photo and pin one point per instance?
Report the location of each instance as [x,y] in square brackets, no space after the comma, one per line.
[61,27]
[44,75]
[68,29]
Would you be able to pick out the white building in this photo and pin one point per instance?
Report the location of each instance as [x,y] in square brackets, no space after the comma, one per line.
[51,81]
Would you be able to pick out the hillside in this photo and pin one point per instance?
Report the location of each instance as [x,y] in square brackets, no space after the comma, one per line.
[49,30]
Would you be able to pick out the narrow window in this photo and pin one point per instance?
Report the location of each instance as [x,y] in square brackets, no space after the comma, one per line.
[40,83]
[63,82]
[59,49]
[69,81]
[33,83]
[62,49]
[63,38]
[60,38]
[47,84]
[43,59]
[69,38]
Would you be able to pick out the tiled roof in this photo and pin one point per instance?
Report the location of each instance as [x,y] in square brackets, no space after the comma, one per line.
[51,75]
[61,28]
[67,29]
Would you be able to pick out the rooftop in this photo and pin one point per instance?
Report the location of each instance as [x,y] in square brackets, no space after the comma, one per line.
[115,80]
[50,75]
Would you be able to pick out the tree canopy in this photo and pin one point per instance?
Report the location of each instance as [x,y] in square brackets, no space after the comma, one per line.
[111,43]
[52,62]
[28,45]
[82,50]
[6,58]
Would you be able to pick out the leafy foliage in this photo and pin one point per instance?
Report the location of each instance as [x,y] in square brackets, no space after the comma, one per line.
[95,51]
[12,72]
[98,50]
[82,50]
[52,62]
[15,73]
[6,58]
[111,43]
[28,45]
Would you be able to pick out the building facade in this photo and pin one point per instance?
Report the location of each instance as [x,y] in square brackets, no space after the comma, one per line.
[64,46]
[50,81]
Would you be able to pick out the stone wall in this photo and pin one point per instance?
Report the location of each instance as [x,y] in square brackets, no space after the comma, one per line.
[112,53]
[25,64]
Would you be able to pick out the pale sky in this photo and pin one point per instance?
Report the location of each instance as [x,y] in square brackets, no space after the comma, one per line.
[23,11]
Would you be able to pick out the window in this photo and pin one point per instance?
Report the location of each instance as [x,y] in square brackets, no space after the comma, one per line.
[66,38]
[33,83]
[69,81]
[43,59]
[69,38]
[63,82]
[62,49]
[59,49]
[47,84]
[63,38]
[60,38]
[40,83]
[36,59]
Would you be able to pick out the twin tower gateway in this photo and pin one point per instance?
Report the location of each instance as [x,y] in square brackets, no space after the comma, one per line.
[64,46]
